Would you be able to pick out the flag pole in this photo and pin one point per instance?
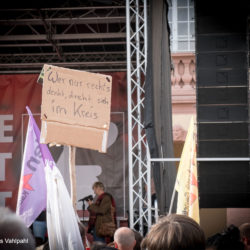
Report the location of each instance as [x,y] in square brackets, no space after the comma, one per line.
[72,172]
[172,199]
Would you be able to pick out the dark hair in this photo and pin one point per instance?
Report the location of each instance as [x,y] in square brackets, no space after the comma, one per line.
[175,232]
[13,227]
[138,239]
[229,239]
[97,245]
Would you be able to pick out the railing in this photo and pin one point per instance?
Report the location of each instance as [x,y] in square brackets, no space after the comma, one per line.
[183,78]
[183,72]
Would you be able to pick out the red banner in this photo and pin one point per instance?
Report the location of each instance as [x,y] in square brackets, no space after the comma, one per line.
[19,91]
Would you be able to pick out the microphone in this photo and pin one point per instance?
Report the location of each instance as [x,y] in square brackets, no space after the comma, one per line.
[87,198]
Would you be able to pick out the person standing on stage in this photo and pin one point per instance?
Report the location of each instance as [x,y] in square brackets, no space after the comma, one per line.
[102,214]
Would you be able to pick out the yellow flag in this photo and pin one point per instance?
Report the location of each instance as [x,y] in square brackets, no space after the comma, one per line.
[186,181]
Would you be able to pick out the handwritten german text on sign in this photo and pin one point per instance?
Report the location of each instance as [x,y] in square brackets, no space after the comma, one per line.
[73,101]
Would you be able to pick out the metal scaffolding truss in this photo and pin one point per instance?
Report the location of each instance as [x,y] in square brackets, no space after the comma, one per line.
[90,38]
[139,165]
[90,35]
[90,61]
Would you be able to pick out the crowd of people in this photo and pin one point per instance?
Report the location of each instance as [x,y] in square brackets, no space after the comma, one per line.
[172,232]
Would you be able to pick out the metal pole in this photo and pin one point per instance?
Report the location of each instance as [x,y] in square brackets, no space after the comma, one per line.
[138,82]
[130,160]
[148,154]
[145,35]
[202,159]
[149,190]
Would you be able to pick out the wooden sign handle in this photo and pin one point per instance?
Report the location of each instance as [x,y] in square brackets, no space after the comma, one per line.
[72,172]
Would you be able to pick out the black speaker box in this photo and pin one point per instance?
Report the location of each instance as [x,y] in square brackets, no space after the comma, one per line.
[222,102]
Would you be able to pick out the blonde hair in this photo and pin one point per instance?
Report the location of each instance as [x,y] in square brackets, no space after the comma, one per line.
[175,232]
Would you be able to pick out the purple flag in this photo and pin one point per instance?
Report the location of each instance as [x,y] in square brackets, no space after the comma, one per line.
[32,188]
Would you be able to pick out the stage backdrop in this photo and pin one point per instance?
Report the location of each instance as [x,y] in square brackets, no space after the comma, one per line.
[19,91]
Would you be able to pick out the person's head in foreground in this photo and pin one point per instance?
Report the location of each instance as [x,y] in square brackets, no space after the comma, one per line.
[245,234]
[229,239]
[175,232]
[13,232]
[124,238]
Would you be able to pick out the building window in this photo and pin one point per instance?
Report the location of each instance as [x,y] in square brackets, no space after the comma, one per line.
[181,22]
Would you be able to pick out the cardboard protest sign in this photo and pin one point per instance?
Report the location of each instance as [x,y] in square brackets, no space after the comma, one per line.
[75,108]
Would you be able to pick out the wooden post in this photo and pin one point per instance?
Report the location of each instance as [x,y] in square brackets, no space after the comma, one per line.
[72,172]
